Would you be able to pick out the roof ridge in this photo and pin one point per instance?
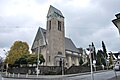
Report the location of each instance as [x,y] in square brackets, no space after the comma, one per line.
[67,37]
[41,28]
[52,10]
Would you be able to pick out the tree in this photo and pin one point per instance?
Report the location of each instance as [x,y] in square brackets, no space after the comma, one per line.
[94,52]
[17,50]
[100,57]
[29,59]
[104,50]
[32,59]
[23,60]
[41,58]
[103,61]
[111,59]
[81,61]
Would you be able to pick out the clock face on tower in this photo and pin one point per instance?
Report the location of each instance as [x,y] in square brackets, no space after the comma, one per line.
[54,14]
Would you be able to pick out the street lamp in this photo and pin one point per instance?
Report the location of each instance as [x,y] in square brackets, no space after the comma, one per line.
[38,59]
[90,56]
[116,21]
[6,62]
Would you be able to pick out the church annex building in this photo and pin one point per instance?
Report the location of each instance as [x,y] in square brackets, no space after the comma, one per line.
[52,43]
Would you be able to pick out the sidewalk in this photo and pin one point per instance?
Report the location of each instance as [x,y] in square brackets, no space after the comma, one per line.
[115,78]
[46,76]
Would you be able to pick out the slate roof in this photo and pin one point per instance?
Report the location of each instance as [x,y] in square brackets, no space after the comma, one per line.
[54,10]
[116,54]
[41,35]
[69,45]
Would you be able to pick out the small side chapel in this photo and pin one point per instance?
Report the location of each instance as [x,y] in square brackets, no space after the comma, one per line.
[52,43]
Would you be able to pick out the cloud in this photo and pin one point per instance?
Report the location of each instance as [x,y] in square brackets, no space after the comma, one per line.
[86,21]
[23,34]
[93,24]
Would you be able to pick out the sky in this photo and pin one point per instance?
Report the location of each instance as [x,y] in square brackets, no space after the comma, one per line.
[86,21]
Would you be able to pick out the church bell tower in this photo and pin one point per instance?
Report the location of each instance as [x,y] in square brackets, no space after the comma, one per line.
[55,37]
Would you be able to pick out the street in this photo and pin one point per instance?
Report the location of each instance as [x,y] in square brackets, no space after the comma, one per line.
[97,76]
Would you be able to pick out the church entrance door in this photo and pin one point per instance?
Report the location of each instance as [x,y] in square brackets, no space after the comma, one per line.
[60,62]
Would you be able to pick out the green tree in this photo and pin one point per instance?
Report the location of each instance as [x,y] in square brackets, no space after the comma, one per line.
[99,57]
[104,50]
[81,61]
[29,59]
[41,58]
[94,52]
[23,60]
[103,60]
[32,59]
[111,59]
[18,49]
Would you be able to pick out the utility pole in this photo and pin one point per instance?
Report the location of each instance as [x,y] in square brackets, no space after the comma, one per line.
[38,60]
[91,51]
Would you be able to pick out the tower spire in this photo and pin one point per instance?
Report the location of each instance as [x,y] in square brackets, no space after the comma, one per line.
[54,11]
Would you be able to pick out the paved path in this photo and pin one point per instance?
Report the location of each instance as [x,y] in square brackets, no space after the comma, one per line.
[97,76]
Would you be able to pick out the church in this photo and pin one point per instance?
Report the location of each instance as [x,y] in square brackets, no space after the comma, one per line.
[51,42]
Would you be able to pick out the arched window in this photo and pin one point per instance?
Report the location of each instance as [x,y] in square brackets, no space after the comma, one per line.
[49,25]
[49,58]
[59,25]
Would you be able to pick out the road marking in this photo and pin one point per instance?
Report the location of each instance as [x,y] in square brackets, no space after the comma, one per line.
[2,78]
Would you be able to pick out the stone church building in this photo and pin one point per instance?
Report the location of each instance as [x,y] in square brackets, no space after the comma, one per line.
[52,43]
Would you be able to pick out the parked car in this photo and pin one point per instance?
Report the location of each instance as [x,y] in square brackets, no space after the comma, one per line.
[116,68]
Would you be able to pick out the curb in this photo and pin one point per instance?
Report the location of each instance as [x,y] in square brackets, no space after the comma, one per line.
[51,76]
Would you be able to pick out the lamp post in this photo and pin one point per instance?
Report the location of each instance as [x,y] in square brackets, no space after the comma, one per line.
[91,51]
[38,60]
[6,62]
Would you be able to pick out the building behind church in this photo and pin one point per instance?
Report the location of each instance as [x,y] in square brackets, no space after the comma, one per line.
[52,43]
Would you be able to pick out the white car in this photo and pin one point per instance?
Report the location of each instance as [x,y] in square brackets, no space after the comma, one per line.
[116,68]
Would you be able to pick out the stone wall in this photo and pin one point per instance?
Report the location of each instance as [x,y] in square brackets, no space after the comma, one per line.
[77,69]
[44,70]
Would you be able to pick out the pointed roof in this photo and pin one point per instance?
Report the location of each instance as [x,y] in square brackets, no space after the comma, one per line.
[70,46]
[54,10]
[41,37]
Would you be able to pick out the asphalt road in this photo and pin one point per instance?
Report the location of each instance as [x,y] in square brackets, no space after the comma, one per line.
[97,76]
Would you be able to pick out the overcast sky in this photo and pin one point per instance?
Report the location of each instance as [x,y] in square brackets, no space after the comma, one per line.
[86,21]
